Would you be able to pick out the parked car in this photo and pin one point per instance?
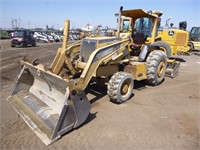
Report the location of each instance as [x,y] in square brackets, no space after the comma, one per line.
[43,37]
[40,38]
[22,38]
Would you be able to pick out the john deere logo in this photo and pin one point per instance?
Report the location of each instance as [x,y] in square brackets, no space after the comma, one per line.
[171,33]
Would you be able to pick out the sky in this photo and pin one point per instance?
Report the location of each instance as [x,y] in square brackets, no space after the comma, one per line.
[39,13]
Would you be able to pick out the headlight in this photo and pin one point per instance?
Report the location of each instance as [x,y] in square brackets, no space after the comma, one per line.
[20,39]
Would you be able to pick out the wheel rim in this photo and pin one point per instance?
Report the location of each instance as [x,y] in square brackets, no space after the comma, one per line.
[125,87]
[161,69]
[163,49]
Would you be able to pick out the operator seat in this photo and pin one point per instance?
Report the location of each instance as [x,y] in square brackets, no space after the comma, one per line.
[138,39]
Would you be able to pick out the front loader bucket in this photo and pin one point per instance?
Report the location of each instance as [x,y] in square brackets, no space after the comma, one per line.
[43,101]
[173,68]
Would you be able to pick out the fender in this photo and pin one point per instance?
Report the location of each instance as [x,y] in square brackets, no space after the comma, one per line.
[145,50]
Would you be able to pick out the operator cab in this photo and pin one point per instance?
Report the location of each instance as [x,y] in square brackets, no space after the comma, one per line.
[142,30]
[195,34]
[141,24]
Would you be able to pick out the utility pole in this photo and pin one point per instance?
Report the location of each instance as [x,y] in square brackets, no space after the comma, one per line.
[28,24]
[19,24]
[15,23]
[12,23]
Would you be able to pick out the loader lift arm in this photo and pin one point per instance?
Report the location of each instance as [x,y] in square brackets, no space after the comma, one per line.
[94,62]
[63,55]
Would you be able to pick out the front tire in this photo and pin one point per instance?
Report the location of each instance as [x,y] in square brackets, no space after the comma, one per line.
[120,87]
[156,67]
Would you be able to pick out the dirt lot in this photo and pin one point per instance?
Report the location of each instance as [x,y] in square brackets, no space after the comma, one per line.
[163,117]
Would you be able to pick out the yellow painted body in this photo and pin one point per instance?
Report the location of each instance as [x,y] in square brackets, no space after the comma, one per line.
[97,65]
[194,41]
[176,38]
[196,44]
[138,70]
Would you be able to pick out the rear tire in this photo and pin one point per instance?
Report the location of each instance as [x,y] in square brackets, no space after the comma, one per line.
[165,47]
[24,44]
[34,44]
[156,67]
[120,87]
[191,46]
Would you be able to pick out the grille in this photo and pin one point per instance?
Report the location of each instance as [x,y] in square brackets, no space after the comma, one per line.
[88,46]
[15,42]
[181,39]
